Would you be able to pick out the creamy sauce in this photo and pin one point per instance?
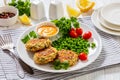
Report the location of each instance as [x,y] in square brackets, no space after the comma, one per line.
[47,31]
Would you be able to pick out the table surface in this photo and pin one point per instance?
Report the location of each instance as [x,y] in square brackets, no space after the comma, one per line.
[105,74]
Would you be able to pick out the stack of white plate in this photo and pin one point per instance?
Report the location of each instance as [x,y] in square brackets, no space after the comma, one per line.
[107,18]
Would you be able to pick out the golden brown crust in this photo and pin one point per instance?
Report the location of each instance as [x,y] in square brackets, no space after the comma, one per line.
[68,55]
[45,56]
[37,44]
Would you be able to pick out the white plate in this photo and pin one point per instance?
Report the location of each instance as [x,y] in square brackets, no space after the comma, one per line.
[106,24]
[99,26]
[27,57]
[111,13]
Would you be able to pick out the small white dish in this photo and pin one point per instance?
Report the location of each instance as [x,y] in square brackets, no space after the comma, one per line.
[100,27]
[27,57]
[47,29]
[111,13]
[9,21]
[106,24]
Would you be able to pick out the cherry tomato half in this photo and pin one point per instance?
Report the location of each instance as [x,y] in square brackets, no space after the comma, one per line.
[79,31]
[87,35]
[83,56]
[73,34]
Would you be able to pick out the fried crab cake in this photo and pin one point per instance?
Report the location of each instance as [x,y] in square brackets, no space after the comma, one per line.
[68,55]
[45,56]
[37,44]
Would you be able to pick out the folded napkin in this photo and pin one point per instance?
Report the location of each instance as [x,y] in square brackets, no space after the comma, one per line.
[110,55]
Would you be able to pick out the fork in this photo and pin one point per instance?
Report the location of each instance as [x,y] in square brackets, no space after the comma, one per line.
[7,46]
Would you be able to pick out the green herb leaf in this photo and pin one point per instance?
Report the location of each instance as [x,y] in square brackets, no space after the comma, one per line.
[73,19]
[25,39]
[65,65]
[33,34]
[58,65]
[93,45]
[23,6]
[64,25]
[76,24]
[56,62]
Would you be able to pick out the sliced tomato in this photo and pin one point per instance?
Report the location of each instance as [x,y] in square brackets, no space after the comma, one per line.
[87,35]
[79,31]
[83,56]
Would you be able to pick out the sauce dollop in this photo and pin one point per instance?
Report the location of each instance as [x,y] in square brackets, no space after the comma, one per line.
[47,31]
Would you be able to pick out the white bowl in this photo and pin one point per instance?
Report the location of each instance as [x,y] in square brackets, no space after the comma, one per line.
[111,13]
[9,21]
[46,23]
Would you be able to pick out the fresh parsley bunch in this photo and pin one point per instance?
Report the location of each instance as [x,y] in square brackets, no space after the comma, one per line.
[22,6]
[64,24]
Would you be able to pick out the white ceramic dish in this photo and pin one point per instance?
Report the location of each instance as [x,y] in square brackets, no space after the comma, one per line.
[47,23]
[111,13]
[27,57]
[99,26]
[9,21]
[106,24]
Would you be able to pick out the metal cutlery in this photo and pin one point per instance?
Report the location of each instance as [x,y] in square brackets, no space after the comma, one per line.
[7,47]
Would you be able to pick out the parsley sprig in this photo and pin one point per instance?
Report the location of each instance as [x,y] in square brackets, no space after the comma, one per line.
[64,24]
[58,65]
[22,5]
[32,34]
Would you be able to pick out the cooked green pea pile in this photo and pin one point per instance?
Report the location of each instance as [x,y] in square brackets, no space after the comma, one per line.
[75,44]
